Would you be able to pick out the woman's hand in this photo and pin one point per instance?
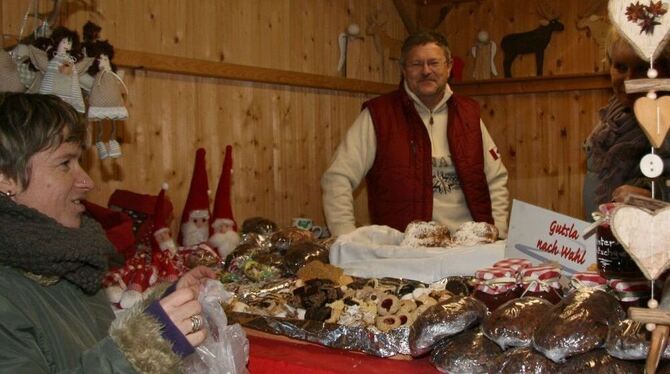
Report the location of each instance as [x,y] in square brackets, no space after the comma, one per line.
[621,192]
[181,306]
[195,277]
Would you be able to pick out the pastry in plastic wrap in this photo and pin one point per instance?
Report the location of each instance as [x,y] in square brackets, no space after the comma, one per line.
[629,340]
[473,233]
[599,362]
[426,234]
[299,254]
[578,324]
[442,320]
[467,352]
[258,225]
[514,322]
[281,240]
[523,360]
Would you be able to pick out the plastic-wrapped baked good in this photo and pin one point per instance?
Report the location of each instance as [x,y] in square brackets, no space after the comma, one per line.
[629,340]
[259,225]
[299,254]
[599,362]
[467,352]
[513,323]
[442,320]
[523,360]
[281,240]
[578,324]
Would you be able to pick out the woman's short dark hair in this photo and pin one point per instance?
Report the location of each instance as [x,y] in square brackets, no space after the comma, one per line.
[423,38]
[31,123]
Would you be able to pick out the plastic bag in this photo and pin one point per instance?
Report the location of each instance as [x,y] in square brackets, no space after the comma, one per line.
[523,360]
[443,320]
[513,323]
[226,348]
[599,362]
[467,352]
[577,324]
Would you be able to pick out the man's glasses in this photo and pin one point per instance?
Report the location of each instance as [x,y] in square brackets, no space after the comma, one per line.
[418,65]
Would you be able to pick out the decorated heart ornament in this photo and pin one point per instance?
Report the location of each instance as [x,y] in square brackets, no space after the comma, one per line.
[645,236]
[645,24]
[646,111]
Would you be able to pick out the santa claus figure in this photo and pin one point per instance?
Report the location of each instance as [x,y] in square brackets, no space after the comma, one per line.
[195,217]
[161,232]
[225,237]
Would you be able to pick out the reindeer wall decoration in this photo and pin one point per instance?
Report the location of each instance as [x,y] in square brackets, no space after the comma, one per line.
[534,41]
[592,18]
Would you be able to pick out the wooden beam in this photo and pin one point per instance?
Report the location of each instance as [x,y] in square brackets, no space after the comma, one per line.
[213,69]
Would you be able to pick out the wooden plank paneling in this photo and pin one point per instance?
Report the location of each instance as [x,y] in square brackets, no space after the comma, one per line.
[284,132]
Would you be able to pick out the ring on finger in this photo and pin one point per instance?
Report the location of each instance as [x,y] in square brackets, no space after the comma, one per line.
[196,323]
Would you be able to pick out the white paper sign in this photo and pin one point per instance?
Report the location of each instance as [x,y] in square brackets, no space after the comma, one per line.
[542,235]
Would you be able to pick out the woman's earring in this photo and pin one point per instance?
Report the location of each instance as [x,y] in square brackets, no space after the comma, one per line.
[9,194]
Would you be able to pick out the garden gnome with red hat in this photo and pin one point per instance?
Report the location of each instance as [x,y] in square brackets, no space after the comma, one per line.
[195,217]
[225,237]
[163,252]
[162,235]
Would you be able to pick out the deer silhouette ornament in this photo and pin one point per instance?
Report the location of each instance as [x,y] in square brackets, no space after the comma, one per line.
[534,41]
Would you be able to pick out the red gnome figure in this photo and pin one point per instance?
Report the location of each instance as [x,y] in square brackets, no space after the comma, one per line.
[225,237]
[195,217]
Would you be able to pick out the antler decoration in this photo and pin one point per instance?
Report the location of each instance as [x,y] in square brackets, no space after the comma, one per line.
[646,16]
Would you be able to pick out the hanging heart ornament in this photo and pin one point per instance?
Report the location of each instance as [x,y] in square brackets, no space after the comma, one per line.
[644,23]
[645,237]
[654,118]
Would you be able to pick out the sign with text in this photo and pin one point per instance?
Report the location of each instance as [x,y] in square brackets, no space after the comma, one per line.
[542,235]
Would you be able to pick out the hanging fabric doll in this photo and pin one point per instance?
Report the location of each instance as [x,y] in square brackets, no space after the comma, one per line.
[60,67]
[106,99]
[10,80]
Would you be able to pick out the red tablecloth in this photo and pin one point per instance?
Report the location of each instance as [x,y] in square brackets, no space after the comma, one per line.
[282,357]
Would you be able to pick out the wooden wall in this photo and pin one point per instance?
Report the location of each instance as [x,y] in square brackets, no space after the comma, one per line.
[284,136]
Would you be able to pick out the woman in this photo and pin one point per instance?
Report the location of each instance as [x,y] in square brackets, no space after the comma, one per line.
[53,315]
[616,145]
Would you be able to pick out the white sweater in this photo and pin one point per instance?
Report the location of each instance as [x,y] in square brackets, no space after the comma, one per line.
[356,154]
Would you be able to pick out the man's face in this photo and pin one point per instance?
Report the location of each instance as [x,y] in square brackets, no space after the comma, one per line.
[426,71]
[58,185]
[625,64]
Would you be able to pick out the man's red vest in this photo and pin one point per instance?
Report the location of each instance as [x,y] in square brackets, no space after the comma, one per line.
[400,182]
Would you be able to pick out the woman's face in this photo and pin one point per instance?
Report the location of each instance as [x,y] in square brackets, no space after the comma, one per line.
[624,65]
[103,63]
[58,185]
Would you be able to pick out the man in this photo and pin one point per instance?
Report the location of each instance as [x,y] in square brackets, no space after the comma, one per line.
[424,151]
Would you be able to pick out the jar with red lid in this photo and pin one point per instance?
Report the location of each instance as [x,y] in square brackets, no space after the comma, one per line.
[612,259]
[517,264]
[588,279]
[495,286]
[631,292]
[542,282]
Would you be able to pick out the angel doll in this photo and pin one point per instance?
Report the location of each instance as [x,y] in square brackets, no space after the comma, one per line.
[106,99]
[61,68]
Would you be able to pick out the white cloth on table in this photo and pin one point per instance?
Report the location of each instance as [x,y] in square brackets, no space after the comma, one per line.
[374,251]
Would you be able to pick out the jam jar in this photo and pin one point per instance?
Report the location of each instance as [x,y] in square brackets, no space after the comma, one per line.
[517,264]
[495,286]
[612,259]
[542,281]
[631,292]
[588,279]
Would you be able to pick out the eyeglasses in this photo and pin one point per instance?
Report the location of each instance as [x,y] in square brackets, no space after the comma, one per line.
[418,65]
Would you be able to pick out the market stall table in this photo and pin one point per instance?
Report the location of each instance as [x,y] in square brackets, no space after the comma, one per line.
[276,354]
